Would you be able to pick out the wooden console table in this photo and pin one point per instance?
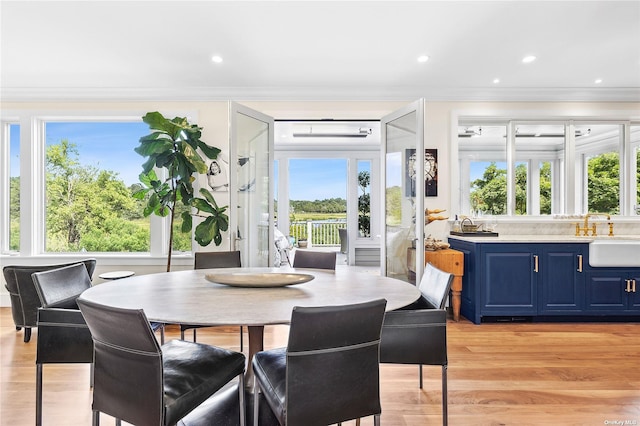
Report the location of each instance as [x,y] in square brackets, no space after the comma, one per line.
[448,260]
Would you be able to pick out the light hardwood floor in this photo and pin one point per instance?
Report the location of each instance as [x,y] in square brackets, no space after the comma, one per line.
[499,374]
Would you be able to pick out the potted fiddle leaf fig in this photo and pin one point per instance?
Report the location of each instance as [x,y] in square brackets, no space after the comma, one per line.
[175,145]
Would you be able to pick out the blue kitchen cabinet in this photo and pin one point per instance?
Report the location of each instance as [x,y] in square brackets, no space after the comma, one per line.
[509,278]
[613,290]
[561,272]
[511,281]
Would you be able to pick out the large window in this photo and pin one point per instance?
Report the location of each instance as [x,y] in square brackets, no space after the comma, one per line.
[12,134]
[91,172]
[520,167]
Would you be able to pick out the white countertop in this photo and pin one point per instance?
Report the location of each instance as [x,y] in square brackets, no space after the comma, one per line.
[540,238]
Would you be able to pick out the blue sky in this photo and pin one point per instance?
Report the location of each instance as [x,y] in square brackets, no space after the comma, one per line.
[110,146]
[106,146]
[317,179]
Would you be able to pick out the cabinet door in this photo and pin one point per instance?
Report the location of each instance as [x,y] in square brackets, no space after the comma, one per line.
[562,279]
[605,291]
[509,280]
[634,294]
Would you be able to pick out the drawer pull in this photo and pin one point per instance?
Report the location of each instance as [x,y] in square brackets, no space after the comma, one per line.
[628,289]
[634,286]
[579,263]
[535,263]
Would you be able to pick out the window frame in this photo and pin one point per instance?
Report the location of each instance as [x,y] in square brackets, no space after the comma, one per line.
[33,191]
[568,196]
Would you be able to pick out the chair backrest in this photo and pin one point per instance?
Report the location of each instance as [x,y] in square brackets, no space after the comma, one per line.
[414,337]
[315,259]
[333,363]
[435,285]
[128,372]
[217,259]
[59,288]
[24,297]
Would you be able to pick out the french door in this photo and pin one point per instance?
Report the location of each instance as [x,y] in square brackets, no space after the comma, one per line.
[251,201]
[403,191]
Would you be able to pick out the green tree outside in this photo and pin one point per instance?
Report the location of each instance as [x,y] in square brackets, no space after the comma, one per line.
[89,209]
[489,193]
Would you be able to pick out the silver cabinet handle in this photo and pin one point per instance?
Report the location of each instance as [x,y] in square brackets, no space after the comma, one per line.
[579,263]
[535,263]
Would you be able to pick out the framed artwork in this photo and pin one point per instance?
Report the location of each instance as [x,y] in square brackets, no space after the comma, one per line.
[218,175]
[430,172]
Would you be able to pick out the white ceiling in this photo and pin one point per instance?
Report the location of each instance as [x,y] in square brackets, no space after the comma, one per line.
[320,50]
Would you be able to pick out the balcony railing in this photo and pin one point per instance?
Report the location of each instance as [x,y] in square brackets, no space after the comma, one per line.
[318,232]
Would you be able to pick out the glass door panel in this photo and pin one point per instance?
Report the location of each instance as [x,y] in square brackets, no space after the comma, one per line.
[403,145]
[252,203]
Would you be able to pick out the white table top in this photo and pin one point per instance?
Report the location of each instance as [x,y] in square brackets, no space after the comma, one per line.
[187,297]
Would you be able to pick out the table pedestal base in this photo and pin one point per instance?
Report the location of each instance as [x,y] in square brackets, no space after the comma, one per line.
[221,409]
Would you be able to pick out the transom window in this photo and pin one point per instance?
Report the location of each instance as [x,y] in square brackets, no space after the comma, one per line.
[545,168]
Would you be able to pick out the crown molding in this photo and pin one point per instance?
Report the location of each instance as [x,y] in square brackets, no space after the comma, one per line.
[124,94]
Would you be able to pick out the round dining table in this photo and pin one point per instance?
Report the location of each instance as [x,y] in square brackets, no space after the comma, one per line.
[191,297]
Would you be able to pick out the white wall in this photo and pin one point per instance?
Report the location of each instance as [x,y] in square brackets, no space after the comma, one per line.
[440,133]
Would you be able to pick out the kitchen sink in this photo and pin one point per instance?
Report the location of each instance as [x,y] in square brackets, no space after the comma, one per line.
[614,253]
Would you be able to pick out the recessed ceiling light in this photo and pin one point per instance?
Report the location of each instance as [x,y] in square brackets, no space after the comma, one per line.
[496,80]
[598,81]
[216,59]
[528,59]
[423,58]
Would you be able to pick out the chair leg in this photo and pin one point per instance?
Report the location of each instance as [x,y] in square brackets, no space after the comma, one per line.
[445,405]
[162,335]
[241,340]
[194,335]
[27,334]
[420,371]
[376,420]
[181,333]
[243,404]
[256,402]
[38,394]
[96,418]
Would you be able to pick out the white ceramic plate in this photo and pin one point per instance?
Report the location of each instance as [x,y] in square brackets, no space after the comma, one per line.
[269,279]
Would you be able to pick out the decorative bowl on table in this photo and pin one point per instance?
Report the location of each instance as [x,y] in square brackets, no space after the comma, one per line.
[259,280]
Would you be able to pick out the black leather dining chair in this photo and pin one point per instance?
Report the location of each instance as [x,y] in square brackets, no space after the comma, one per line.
[314,259]
[140,382]
[329,371]
[63,336]
[24,298]
[417,334]
[208,260]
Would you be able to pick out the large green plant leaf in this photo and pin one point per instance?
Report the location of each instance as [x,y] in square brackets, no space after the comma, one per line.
[175,145]
[206,231]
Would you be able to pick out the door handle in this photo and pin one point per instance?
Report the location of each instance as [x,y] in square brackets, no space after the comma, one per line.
[535,263]
[628,289]
[633,288]
[579,263]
